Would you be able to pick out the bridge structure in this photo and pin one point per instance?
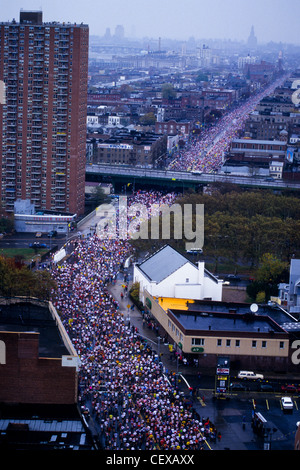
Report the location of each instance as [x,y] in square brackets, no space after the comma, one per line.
[123,177]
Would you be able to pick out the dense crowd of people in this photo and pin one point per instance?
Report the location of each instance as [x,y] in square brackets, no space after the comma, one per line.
[122,385]
[121,381]
[205,153]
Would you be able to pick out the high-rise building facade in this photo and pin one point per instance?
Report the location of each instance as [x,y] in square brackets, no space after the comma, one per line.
[43,120]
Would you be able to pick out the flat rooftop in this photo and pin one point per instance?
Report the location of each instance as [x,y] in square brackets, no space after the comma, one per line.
[31,318]
[42,427]
[225,322]
[227,316]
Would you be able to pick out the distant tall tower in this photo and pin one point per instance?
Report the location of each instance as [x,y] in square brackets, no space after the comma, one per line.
[280,61]
[107,34]
[119,32]
[252,40]
[43,123]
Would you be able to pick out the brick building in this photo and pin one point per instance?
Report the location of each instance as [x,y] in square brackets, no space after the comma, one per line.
[43,122]
[259,148]
[38,364]
[272,115]
[173,127]
[132,148]
[262,72]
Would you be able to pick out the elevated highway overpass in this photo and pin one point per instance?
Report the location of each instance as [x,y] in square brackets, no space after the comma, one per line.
[176,180]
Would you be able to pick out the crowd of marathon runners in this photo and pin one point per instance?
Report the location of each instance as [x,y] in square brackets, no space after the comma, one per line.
[122,384]
[204,153]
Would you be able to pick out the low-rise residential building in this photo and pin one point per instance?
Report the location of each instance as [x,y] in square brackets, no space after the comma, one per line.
[256,148]
[168,273]
[276,169]
[289,294]
[27,219]
[132,148]
[173,128]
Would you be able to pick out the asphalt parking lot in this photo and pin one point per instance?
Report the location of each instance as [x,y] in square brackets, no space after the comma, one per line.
[233,417]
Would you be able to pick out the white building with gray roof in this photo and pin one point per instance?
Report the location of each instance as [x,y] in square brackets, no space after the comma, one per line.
[168,273]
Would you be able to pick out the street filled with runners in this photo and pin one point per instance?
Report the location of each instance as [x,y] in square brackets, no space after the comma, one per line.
[122,384]
[204,153]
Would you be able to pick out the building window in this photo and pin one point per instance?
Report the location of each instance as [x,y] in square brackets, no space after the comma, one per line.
[219,342]
[281,344]
[228,342]
[254,344]
[197,341]
[264,344]
[237,343]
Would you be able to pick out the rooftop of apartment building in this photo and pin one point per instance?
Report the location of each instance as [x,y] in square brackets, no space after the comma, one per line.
[133,137]
[35,17]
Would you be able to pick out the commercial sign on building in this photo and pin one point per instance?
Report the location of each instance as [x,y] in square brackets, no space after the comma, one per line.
[116,146]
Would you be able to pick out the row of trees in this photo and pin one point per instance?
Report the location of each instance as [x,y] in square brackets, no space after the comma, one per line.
[256,229]
[242,226]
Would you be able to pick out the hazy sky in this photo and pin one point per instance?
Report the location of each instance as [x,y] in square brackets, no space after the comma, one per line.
[273,20]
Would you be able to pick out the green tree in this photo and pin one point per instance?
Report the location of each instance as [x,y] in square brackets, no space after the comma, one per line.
[260,297]
[17,280]
[148,119]
[202,77]
[98,196]
[271,269]
[269,274]
[168,91]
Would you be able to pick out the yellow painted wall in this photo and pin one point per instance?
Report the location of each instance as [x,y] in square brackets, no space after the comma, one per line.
[172,303]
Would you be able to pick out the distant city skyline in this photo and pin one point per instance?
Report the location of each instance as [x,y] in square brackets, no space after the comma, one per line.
[273,20]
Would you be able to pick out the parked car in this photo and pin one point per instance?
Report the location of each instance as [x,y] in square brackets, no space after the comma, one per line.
[287,403]
[238,386]
[52,233]
[250,375]
[35,245]
[231,277]
[195,251]
[38,234]
[290,388]
[266,388]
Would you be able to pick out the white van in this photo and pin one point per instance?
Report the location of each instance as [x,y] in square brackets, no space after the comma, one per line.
[247,374]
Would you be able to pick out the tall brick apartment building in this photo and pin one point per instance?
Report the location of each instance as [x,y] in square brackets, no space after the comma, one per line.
[43,121]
